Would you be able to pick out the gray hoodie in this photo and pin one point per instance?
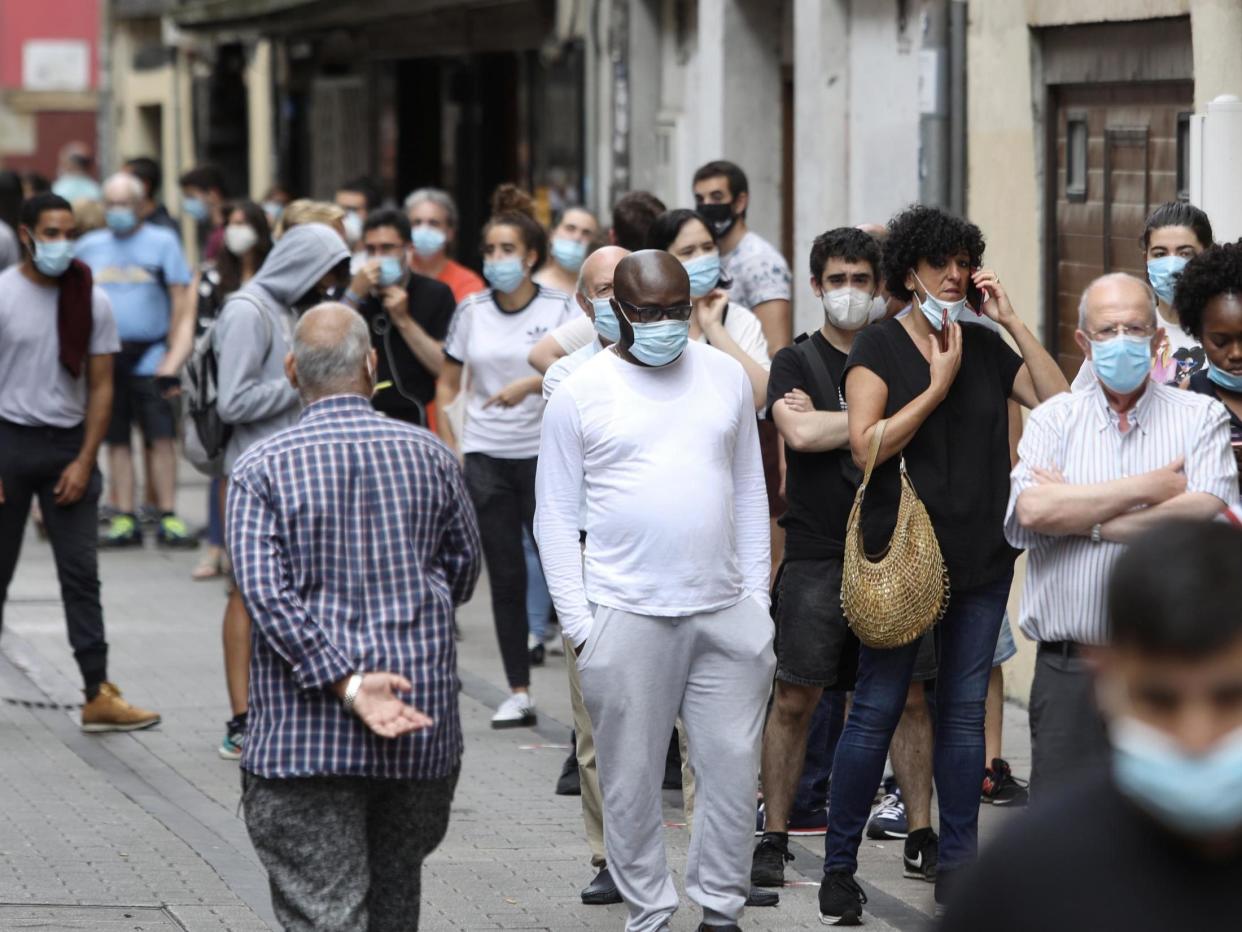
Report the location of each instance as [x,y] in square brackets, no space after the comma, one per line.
[255,333]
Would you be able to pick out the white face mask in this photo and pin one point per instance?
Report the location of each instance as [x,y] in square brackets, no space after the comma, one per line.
[879,309]
[240,238]
[847,308]
[353,226]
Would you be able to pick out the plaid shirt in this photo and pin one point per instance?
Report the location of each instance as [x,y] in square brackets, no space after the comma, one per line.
[352,538]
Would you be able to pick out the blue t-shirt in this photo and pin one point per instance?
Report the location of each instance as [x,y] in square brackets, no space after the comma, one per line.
[135,272]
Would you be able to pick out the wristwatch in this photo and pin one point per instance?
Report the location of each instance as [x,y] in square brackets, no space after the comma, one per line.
[1096,536]
[351,692]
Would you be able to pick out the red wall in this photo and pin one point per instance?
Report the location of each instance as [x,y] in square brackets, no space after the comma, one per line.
[53,128]
[45,19]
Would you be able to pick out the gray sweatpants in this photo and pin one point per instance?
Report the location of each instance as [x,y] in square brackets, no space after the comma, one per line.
[638,674]
[345,854]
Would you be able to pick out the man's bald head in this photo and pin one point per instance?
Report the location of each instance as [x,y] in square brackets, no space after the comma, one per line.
[331,353]
[595,276]
[651,278]
[1116,298]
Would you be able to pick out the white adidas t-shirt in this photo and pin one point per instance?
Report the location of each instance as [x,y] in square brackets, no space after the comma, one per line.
[494,345]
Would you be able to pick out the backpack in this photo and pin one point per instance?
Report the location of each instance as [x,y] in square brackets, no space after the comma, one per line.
[206,433]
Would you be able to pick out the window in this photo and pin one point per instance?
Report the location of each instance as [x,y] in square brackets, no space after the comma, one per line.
[1183,156]
[1076,157]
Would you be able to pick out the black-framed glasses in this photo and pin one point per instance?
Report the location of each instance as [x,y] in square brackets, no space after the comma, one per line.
[650,315]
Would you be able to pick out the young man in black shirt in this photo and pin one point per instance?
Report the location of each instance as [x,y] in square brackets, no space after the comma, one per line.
[1155,841]
[814,647]
[408,315]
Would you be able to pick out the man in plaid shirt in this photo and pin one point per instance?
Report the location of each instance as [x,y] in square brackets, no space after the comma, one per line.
[352,538]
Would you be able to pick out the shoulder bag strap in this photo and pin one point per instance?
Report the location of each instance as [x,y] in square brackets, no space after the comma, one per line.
[877,437]
[824,382]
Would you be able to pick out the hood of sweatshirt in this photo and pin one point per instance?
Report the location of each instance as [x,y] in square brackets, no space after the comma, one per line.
[296,263]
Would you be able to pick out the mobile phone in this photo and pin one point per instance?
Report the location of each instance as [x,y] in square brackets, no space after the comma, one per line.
[943,332]
[975,297]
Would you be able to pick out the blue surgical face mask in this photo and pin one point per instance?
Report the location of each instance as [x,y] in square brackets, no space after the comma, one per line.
[428,240]
[195,207]
[569,253]
[120,219]
[52,258]
[505,275]
[659,343]
[390,270]
[704,273]
[606,324]
[1162,273]
[1197,795]
[933,308]
[1226,380]
[1122,363]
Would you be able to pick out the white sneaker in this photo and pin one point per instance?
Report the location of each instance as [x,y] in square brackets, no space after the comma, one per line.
[518,711]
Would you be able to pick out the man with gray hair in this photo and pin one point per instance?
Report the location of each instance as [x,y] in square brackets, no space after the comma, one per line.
[142,270]
[347,784]
[1098,467]
[433,227]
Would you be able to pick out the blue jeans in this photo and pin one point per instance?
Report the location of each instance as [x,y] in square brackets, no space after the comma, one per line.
[215,517]
[966,638]
[821,745]
[538,599]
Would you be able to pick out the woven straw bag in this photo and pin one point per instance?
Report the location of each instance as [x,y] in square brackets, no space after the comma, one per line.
[891,600]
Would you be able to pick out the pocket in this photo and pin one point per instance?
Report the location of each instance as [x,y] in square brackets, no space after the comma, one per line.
[599,624]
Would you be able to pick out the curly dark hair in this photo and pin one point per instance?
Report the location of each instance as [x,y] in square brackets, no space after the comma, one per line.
[919,233]
[848,243]
[1215,271]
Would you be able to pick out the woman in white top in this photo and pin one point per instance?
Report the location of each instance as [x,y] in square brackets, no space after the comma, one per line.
[570,242]
[728,327]
[492,332]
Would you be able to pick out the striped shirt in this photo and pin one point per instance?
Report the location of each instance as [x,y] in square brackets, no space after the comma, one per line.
[1079,434]
[352,538]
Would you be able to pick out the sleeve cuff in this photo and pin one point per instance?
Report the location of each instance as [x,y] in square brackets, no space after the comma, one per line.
[322,667]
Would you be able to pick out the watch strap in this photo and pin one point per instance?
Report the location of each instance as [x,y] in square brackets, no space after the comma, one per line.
[351,692]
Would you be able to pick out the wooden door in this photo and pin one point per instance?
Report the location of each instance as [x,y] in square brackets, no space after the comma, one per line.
[1115,148]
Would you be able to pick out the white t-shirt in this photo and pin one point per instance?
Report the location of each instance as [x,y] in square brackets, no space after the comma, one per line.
[740,323]
[567,365]
[494,345]
[35,389]
[669,458]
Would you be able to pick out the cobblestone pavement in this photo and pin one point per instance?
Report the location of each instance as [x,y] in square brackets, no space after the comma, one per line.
[141,831]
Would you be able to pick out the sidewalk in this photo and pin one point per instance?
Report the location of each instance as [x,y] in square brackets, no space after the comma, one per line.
[141,831]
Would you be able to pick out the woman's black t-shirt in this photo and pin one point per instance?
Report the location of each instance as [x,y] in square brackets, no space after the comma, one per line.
[958,460]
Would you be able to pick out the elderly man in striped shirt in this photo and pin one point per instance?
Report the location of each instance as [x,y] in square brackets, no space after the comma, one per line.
[352,538]
[1097,468]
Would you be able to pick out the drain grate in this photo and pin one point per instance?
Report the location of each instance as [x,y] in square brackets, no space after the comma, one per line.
[94,918]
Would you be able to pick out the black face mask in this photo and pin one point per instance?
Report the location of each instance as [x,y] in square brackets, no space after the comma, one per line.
[720,216]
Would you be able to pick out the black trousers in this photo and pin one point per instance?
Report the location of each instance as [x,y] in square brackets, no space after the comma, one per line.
[31,461]
[345,854]
[504,500]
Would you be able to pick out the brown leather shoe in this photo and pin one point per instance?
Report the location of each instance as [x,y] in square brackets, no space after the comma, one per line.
[109,712]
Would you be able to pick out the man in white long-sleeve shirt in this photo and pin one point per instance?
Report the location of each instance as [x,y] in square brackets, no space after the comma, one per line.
[667,609]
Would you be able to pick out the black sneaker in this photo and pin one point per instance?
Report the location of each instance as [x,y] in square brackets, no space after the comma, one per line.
[123,531]
[570,781]
[841,900]
[1001,787]
[921,855]
[602,891]
[537,655]
[767,869]
[946,886]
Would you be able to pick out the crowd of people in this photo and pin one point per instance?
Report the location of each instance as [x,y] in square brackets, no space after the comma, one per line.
[670,490]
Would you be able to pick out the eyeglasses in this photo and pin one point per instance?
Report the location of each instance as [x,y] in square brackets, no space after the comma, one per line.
[649,315]
[1133,331]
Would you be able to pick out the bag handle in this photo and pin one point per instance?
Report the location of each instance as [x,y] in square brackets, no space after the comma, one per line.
[877,437]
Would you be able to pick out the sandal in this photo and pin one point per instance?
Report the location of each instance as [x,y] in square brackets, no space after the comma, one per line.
[211,566]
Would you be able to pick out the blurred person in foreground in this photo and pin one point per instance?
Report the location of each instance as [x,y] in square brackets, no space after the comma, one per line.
[57,341]
[346,784]
[1154,841]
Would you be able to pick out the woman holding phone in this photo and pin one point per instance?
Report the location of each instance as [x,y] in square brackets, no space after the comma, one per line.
[943,386]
